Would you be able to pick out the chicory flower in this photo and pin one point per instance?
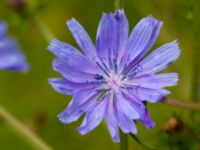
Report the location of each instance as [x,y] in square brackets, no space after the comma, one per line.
[112,79]
[11,57]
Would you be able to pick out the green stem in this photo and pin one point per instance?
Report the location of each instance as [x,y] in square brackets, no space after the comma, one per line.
[123,141]
[119,4]
[23,131]
[43,29]
[195,84]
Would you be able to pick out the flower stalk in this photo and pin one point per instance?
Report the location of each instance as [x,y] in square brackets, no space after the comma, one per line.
[123,141]
[22,131]
[119,4]
[180,103]
[43,29]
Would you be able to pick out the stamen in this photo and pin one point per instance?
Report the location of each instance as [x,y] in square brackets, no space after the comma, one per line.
[115,65]
[124,68]
[135,70]
[124,77]
[102,69]
[110,61]
[102,95]
[105,66]
[98,82]
[98,77]
[100,90]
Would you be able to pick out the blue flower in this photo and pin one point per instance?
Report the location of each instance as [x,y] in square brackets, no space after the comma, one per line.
[11,58]
[112,79]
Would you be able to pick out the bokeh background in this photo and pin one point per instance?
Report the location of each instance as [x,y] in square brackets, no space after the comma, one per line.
[31,99]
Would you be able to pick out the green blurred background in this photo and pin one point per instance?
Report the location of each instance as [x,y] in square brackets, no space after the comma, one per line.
[32,100]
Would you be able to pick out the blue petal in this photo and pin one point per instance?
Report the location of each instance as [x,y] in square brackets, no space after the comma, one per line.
[71,73]
[72,56]
[62,49]
[141,109]
[111,121]
[67,87]
[142,39]
[126,124]
[125,107]
[149,95]
[145,119]
[161,58]
[94,116]
[82,101]
[82,38]
[158,81]
[112,35]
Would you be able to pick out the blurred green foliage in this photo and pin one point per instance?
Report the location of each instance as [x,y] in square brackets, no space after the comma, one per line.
[31,99]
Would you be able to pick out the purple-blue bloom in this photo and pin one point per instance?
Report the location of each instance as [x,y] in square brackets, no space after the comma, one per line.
[112,79]
[11,58]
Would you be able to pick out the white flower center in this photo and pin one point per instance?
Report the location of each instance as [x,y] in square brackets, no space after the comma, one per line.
[114,82]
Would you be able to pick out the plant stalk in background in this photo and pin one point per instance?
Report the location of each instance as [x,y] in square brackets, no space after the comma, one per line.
[119,4]
[195,84]
[124,141]
[22,131]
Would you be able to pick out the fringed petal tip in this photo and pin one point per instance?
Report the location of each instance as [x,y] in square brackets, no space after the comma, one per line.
[60,85]
[70,21]
[151,19]
[63,118]
[82,131]
[53,46]
[82,38]
[153,22]
[175,45]
[119,14]
[164,93]
[61,49]
[147,120]
[66,117]
[116,139]
[150,125]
